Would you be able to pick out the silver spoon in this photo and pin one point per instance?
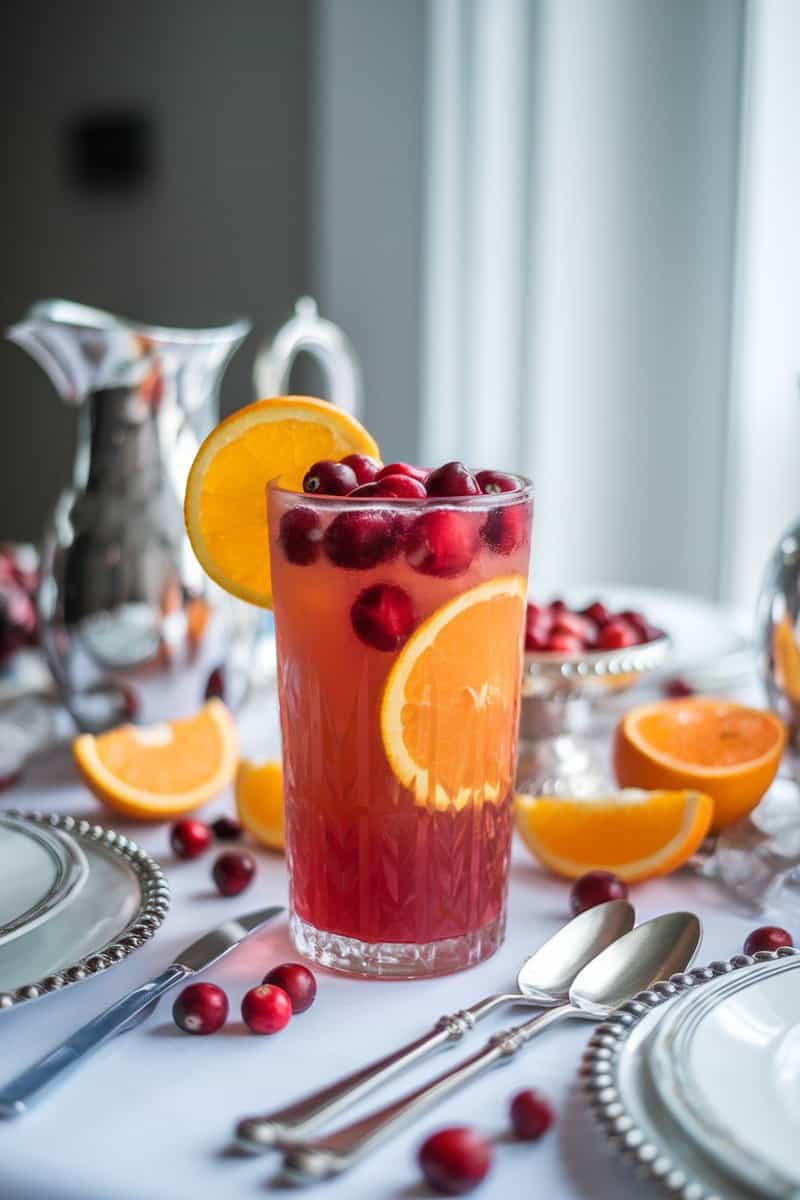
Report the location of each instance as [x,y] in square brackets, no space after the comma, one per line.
[543,980]
[652,951]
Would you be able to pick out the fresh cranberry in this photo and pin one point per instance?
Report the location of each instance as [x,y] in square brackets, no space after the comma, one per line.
[493,482]
[360,540]
[596,612]
[564,643]
[558,606]
[454,1161]
[365,468]
[300,535]
[596,887]
[298,983]
[326,478]
[767,937]
[538,622]
[401,468]
[189,838]
[201,1008]
[571,623]
[266,1009]
[531,1114]
[677,688]
[442,542]
[400,487]
[635,620]
[215,687]
[453,479]
[383,616]
[505,529]
[233,871]
[616,635]
[226,829]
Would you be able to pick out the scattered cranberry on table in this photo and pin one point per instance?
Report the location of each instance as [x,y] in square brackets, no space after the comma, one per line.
[531,1114]
[226,829]
[201,1008]
[189,838]
[233,871]
[677,688]
[298,983]
[266,1009]
[454,1161]
[215,687]
[596,887]
[767,937]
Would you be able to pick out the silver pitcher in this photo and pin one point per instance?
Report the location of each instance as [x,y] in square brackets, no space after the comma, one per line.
[779,619]
[132,627]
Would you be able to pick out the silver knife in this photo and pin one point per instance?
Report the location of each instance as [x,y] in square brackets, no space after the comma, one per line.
[18,1096]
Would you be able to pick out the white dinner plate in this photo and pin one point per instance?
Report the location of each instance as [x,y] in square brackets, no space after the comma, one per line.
[121,905]
[623,1085]
[726,1065]
[41,871]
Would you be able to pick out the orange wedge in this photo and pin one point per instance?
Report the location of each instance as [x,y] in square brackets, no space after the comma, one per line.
[450,704]
[259,801]
[635,834]
[727,750]
[786,656]
[157,772]
[226,494]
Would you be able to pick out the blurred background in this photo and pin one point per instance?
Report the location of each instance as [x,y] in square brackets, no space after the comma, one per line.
[561,235]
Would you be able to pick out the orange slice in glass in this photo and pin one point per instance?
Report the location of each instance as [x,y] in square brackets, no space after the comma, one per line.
[226,494]
[727,750]
[635,834]
[259,801]
[450,705]
[157,772]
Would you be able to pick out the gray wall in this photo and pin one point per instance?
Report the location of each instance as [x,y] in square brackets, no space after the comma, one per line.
[220,231]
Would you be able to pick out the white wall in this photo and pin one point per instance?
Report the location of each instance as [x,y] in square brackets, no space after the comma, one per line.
[764,479]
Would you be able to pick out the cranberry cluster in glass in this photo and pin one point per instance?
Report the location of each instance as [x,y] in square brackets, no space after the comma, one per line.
[440,541]
[555,628]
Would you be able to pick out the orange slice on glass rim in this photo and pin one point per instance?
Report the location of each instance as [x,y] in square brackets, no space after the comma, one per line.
[727,750]
[226,493]
[156,772]
[451,701]
[633,833]
[259,801]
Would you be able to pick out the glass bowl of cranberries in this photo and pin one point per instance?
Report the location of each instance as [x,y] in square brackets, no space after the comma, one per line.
[572,656]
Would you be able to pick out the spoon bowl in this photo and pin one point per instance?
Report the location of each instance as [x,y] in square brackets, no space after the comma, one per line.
[546,977]
[653,950]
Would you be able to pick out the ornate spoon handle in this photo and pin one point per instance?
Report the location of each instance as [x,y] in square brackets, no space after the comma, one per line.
[310,1161]
[260,1133]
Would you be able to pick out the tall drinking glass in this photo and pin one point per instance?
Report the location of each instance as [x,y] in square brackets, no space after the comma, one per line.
[399,627]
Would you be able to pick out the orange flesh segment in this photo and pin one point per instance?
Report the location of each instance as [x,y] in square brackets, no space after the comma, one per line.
[709,738]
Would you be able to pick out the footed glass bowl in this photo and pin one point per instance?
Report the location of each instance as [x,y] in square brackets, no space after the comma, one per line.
[557,690]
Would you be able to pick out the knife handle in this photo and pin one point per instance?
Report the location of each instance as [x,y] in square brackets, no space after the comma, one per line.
[23,1091]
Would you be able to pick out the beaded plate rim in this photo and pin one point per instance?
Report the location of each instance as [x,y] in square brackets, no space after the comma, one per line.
[153,906]
[599,1074]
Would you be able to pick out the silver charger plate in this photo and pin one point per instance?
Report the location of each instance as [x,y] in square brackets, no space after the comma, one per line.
[120,906]
[41,870]
[618,1083]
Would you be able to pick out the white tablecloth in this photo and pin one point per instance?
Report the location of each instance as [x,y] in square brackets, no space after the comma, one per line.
[149,1117]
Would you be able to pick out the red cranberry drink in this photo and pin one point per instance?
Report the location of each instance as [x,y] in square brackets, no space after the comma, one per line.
[399,600]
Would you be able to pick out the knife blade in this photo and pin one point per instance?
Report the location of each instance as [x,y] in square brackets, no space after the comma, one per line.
[23,1091]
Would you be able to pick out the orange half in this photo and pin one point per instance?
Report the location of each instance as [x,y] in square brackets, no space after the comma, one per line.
[157,772]
[633,833]
[226,493]
[727,750]
[450,705]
